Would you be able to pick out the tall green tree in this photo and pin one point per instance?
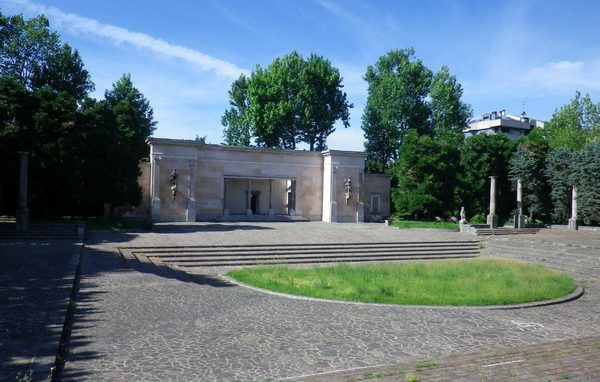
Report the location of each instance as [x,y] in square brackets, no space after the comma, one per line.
[559,170]
[291,101]
[322,102]
[128,116]
[426,177]
[587,178]
[524,166]
[25,47]
[449,115]
[236,120]
[397,103]
[575,124]
[482,156]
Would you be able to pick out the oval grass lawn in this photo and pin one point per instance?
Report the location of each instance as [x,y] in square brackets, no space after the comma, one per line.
[474,282]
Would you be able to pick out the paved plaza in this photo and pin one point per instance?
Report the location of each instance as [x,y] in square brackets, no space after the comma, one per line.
[136,322]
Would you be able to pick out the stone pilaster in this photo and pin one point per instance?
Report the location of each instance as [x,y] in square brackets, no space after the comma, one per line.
[249,198]
[155,188]
[23,212]
[191,207]
[270,211]
[573,221]
[492,218]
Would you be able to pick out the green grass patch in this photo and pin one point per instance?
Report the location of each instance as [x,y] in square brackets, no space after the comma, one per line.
[424,224]
[454,282]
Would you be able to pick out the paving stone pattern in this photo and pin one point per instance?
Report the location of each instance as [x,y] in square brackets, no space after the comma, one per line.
[36,278]
[145,322]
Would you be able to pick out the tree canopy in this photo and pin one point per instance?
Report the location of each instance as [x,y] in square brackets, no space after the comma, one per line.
[405,95]
[83,152]
[291,101]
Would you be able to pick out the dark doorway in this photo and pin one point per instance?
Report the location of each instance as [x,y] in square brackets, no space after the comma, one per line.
[254,203]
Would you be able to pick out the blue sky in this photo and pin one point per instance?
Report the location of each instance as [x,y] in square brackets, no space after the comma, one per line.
[183,55]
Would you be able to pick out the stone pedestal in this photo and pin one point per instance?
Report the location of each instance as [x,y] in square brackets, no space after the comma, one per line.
[23,212]
[492,218]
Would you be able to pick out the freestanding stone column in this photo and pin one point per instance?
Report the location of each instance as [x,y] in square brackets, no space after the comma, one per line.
[191,207]
[519,217]
[492,218]
[23,211]
[573,220]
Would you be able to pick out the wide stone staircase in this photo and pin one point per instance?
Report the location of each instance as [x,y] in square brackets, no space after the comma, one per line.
[193,257]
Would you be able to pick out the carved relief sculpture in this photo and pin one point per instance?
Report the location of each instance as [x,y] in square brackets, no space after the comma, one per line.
[173,180]
[348,188]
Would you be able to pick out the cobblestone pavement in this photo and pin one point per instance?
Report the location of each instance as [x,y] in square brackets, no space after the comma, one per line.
[149,323]
[36,278]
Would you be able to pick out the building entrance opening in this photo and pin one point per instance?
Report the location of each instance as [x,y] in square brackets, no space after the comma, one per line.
[254,203]
[258,196]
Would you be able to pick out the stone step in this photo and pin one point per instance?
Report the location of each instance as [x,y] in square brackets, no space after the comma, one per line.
[317,260]
[172,249]
[506,231]
[226,255]
[266,255]
[309,251]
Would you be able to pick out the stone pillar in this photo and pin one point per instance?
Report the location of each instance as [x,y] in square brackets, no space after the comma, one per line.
[334,208]
[519,217]
[23,211]
[225,209]
[573,221]
[360,205]
[191,207]
[492,218]
[155,188]
[270,212]
[249,198]
[292,201]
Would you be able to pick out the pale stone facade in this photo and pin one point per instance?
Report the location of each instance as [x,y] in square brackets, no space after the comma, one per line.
[191,181]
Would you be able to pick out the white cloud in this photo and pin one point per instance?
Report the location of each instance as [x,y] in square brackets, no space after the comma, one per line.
[565,76]
[120,36]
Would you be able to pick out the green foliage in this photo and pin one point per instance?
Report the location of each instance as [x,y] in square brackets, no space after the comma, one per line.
[236,120]
[587,179]
[575,124]
[524,166]
[455,282]
[558,171]
[82,152]
[449,115]
[482,156]
[425,174]
[398,87]
[293,100]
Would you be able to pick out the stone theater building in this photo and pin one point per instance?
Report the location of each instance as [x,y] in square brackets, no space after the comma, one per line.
[188,181]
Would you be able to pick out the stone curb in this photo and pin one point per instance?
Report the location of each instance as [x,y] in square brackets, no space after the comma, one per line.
[570,297]
[55,323]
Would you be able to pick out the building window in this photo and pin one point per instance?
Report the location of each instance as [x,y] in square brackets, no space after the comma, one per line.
[375,204]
